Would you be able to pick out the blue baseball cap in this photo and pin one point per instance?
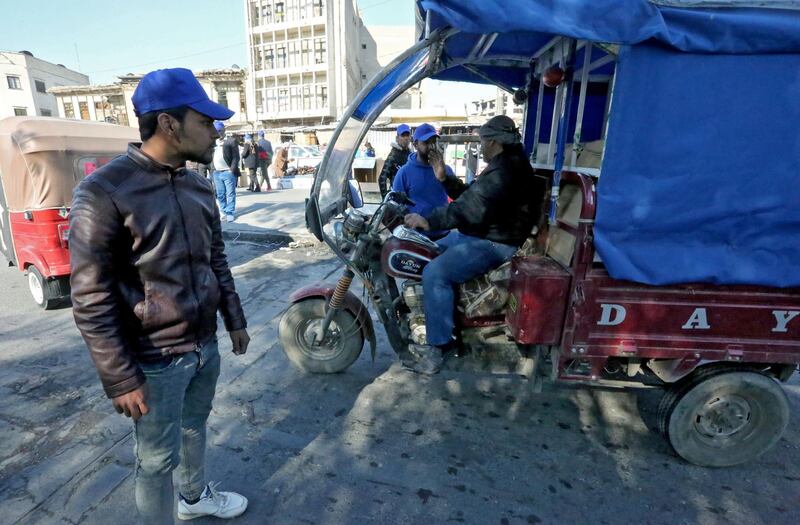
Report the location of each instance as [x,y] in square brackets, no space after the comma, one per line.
[219,126]
[403,128]
[424,132]
[172,88]
[261,133]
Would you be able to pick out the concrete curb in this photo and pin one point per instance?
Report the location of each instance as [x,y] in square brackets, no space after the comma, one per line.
[267,237]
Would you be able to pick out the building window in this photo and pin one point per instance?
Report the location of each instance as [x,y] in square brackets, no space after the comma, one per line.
[222,98]
[317,7]
[83,107]
[363,46]
[294,54]
[305,48]
[279,12]
[266,14]
[13,82]
[20,112]
[281,57]
[46,112]
[269,58]
[283,99]
[69,110]
[319,50]
[40,87]
[322,96]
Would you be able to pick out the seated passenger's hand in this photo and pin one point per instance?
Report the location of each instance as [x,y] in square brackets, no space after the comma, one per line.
[416,221]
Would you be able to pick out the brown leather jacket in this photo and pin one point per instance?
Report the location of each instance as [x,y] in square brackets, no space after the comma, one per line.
[148,266]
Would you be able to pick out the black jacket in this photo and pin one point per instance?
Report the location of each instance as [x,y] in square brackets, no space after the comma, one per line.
[397,159]
[502,205]
[250,155]
[148,266]
[230,152]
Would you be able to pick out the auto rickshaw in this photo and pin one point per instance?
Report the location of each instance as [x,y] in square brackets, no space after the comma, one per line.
[41,161]
[668,256]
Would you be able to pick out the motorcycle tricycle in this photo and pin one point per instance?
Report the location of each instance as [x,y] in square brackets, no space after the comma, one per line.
[602,293]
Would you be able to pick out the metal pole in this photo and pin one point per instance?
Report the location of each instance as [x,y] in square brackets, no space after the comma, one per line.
[563,126]
[581,102]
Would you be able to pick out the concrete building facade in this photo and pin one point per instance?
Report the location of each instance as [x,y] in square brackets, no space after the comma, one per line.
[304,60]
[25,81]
[112,102]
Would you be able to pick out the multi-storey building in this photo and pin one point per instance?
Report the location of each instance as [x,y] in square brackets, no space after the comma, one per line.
[24,81]
[304,60]
[112,102]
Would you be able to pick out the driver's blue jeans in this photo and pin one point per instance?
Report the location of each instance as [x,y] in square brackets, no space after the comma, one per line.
[464,257]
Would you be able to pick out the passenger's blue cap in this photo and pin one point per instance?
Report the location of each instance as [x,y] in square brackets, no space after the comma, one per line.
[172,88]
[424,132]
[403,128]
[219,125]
[261,133]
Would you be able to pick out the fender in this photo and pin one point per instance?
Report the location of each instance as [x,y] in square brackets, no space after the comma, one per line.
[351,303]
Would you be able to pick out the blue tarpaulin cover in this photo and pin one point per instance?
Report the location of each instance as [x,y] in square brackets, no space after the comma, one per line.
[700,175]
[699,179]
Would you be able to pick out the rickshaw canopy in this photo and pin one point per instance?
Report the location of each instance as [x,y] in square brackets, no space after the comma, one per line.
[39,155]
[698,176]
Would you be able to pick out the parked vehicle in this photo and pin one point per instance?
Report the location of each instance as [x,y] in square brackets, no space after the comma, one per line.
[301,157]
[668,255]
[41,161]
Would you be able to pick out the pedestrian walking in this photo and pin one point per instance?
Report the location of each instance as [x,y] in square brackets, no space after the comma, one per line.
[264,158]
[149,274]
[226,173]
[250,161]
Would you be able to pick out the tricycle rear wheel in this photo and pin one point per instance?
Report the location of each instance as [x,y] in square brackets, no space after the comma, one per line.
[722,417]
[47,293]
[298,327]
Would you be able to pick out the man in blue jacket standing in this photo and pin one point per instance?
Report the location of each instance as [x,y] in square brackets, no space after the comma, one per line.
[420,177]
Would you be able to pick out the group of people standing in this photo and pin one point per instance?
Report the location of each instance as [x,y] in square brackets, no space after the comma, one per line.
[256,156]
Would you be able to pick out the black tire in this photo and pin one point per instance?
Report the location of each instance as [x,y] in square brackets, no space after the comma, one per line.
[723,416]
[300,320]
[47,293]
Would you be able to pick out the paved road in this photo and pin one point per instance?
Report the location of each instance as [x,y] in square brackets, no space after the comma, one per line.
[375,444]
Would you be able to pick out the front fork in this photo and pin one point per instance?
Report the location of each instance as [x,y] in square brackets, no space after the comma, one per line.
[335,304]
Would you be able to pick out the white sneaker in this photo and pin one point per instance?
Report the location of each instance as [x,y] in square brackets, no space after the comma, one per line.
[222,218]
[213,503]
[230,218]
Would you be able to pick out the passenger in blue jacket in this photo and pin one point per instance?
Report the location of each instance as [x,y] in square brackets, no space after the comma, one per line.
[420,177]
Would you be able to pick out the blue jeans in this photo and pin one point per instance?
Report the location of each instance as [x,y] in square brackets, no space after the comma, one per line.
[225,184]
[464,257]
[173,433]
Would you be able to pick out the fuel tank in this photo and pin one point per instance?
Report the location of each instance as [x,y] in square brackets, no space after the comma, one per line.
[406,253]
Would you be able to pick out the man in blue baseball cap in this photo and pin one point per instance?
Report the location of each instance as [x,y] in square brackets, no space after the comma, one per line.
[396,159]
[149,275]
[420,177]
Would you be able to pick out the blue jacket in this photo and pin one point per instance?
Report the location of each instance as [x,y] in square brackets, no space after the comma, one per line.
[418,181]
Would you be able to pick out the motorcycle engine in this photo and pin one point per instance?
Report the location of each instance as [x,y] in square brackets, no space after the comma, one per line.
[412,295]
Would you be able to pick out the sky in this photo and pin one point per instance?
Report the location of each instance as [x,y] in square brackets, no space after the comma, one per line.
[108,38]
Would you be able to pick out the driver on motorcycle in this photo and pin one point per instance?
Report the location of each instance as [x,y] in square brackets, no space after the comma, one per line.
[490,219]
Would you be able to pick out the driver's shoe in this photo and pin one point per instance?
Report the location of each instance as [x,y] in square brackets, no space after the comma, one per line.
[428,359]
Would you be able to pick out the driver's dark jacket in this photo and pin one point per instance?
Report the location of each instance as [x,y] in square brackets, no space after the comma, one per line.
[148,268]
[501,205]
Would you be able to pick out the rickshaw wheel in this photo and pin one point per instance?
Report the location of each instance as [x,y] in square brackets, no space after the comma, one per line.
[723,417]
[46,293]
[298,327]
